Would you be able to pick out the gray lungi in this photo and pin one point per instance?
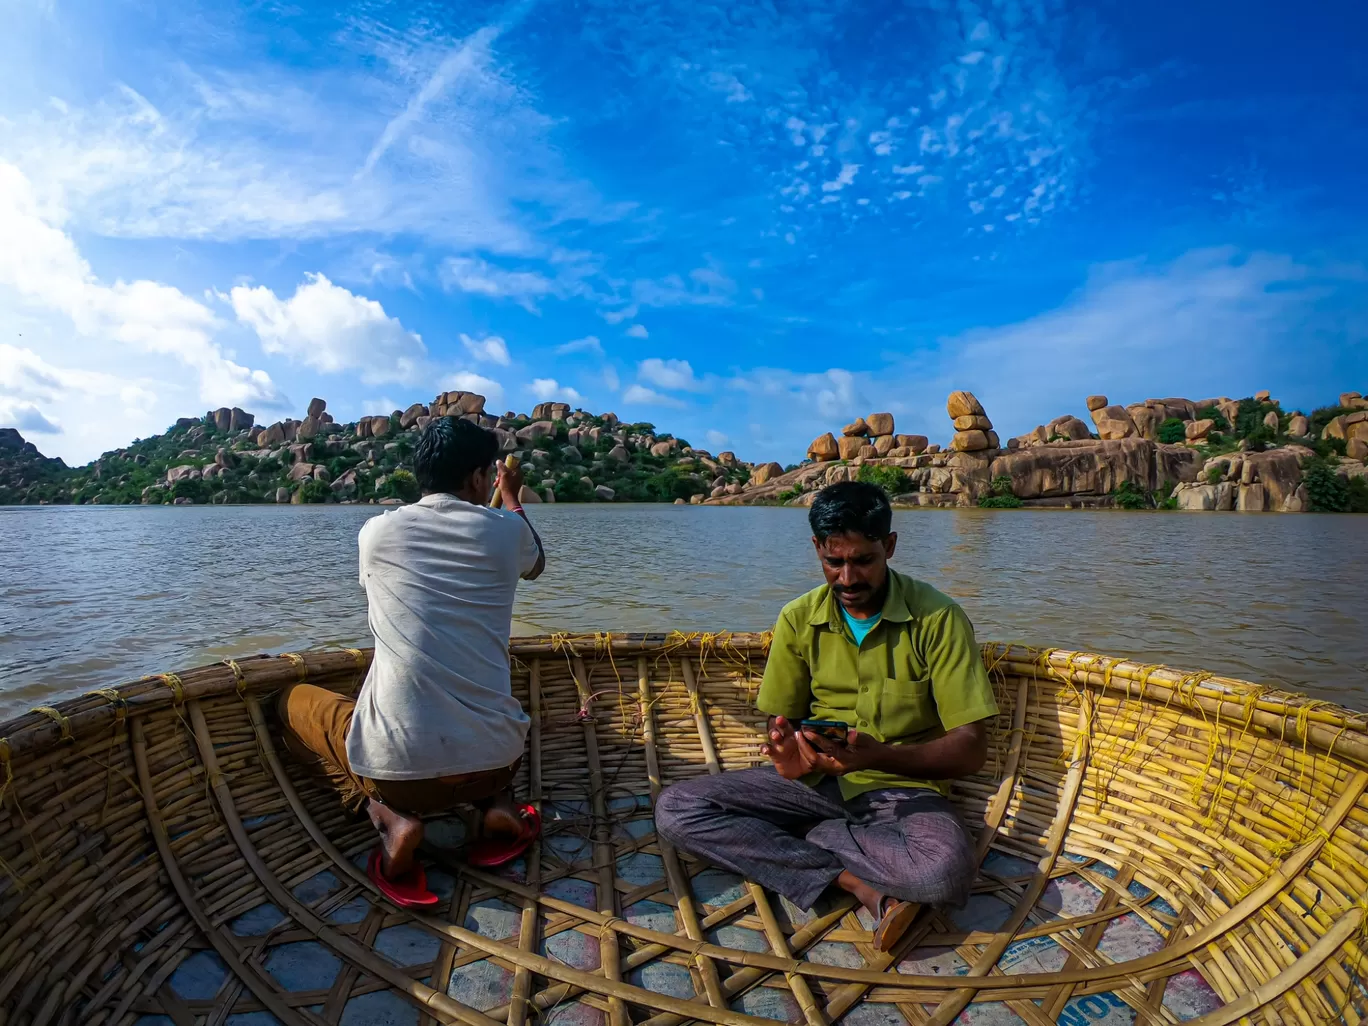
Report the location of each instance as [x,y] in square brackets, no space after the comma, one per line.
[796,839]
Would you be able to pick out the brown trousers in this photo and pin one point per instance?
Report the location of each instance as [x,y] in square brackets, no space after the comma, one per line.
[315,722]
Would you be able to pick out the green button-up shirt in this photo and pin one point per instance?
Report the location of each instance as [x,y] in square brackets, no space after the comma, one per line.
[917,675]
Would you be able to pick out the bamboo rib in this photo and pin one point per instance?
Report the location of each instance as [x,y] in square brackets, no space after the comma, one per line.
[136,824]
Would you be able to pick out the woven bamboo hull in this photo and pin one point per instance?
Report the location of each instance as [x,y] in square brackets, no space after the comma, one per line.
[1155,846]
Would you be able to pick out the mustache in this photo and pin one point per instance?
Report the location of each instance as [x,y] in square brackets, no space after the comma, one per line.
[850,589]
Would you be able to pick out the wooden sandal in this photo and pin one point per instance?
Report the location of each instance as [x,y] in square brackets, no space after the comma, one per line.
[894,923]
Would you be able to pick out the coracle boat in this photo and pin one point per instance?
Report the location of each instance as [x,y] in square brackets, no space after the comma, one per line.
[1155,846]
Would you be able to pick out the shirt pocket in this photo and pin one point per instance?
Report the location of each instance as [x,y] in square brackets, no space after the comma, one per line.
[906,708]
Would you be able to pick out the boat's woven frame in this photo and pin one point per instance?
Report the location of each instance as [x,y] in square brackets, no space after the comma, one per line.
[138,823]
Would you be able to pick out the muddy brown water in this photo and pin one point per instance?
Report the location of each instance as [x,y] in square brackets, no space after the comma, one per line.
[93,596]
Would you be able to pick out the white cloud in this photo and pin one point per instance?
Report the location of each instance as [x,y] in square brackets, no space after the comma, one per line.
[468,381]
[610,378]
[716,438]
[637,331]
[671,374]
[640,394]
[588,344]
[547,389]
[847,175]
[490,349]
[26,418]
[626,313]
[43,267]
[329,328]
[473,275]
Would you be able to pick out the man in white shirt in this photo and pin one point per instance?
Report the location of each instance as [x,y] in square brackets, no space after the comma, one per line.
[435,724]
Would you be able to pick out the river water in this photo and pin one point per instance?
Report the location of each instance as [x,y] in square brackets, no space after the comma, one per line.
[93,596]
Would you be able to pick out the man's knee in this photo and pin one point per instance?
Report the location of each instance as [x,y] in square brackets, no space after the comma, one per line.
[677,808]
[948,865]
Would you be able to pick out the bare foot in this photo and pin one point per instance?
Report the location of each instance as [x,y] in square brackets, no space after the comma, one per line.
[867,895]
[400,835]
[502,817]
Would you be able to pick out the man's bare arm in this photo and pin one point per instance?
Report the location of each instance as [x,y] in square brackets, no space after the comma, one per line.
[509,486]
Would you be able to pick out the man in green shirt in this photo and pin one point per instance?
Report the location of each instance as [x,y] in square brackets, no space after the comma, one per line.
[896,662]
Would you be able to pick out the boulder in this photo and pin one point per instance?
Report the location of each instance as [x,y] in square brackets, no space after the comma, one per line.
[222,418]
[849,446]
[1196,497]
[765,472]
[1350,399]
[182,474]
[572,454]
[856,429]
[1270,420]
[282,496]
[302,471]
[883,444]
[973,422]
[1068,426]
[867,452]
[880,424]
[1298,426]
[308,428]
[274,435]
[963,404]
[733,489]
[1251,499]
[697,499]
[457,404]
[345,483]
[380,426]
[1348,425]
[1262,397]
[663,448]
[363,428]
[1096,402]
[316,407]
[239,420]
[993,441]
[718,491]
[916,443]
[1277,472]
[508,441]
[619,453]
[409,418]
[1147,419]
[1198,430]
[182,500]
[728,458]
[969,441]
[603,493]
[1093,467]
[549,495]
[537,429]
[1356,449]
[824,448]
[528,497]
[1113,423]
[681,502]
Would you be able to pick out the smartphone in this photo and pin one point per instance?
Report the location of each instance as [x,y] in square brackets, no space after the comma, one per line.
[832,730]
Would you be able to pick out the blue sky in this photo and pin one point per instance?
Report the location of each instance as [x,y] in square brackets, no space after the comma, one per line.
[744,223]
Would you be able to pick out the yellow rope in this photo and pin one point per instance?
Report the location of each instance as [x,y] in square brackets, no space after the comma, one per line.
[297,660]
[238,676]
[114,698]
[174,683]
[57,718]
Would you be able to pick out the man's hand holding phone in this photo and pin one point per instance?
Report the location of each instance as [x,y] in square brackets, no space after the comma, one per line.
[817,747]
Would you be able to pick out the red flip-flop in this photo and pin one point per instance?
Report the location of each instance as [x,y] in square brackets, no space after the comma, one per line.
[407,891]
[495,851]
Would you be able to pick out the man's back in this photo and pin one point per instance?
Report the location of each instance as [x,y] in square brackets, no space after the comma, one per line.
[440,578]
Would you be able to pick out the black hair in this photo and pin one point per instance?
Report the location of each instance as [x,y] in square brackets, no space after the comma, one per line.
[449,451]
[851,507]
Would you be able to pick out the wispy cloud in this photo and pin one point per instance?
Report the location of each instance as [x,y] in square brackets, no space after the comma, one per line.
[547,389]
[589,344]
[675,375]
[474,275]
[643,396]
[637,331]
[490,349]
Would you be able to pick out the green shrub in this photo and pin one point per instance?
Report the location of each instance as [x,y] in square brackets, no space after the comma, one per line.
[1172,431]
[1164,498]
[1357,489]
[791,493]
[570,488]
[401,484]
[1000,495]
[314,491]
[1326,491]
[1217,418]
[892,480]
[1215,474]
[1132,496]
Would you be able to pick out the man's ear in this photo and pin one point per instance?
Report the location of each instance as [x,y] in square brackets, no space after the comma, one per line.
[890,544]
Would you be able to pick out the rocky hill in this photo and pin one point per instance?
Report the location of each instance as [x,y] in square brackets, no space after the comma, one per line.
[226,457]
[1211,454]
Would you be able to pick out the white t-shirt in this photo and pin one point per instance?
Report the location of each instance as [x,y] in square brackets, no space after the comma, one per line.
[440,576]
